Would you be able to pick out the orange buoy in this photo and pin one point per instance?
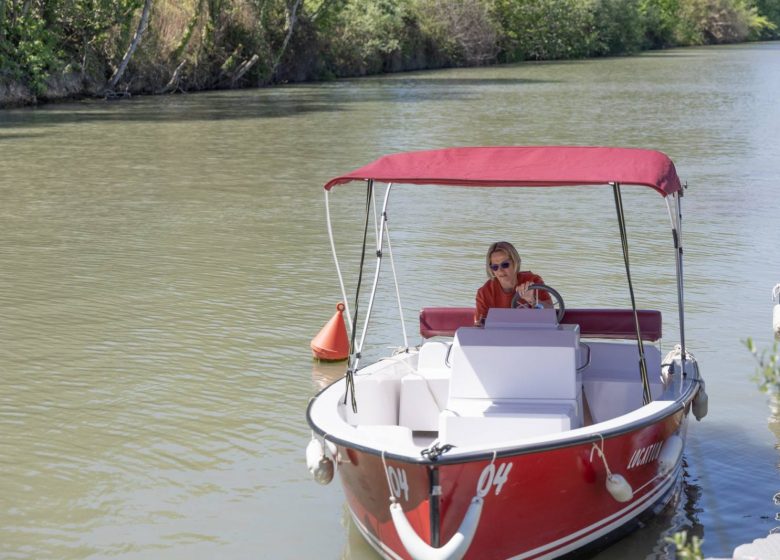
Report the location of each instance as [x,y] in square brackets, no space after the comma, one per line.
[332,343]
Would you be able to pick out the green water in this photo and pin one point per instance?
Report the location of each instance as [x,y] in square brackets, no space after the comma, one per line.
[164,263]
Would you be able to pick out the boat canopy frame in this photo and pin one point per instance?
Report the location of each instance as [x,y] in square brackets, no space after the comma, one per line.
[522,166]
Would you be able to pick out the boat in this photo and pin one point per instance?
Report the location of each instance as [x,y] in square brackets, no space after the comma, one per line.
[542,433]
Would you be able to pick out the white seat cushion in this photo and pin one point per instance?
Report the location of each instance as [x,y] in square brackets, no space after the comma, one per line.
[505,422]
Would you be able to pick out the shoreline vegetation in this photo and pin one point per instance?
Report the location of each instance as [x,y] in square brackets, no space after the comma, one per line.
[68,49]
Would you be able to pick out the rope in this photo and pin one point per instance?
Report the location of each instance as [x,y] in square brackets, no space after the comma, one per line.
[387,476]
[646,397]
[336,260]
[600,451]
[395,279]
[435,451]
[354,358]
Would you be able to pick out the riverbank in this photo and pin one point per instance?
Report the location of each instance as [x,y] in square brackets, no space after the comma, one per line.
[66,51]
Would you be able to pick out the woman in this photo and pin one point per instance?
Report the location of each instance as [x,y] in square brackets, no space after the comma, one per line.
[506,280]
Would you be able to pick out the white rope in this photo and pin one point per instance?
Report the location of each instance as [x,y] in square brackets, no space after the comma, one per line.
[600,451]
[387,476]
[336,260]
[395,280]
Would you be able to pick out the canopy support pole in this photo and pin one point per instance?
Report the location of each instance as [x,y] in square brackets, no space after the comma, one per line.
[646,396]
[379,242]
[675,213]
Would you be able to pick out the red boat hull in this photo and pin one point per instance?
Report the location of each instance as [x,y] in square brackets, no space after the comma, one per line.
[537,504]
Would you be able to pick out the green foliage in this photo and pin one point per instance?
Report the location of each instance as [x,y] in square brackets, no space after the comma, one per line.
[367,35]
[770,11]
[619,27]
[768,374]
[686,550]
[203,44]
[719,21]
[463,31]
[545,29]
[660,19]
[28,51]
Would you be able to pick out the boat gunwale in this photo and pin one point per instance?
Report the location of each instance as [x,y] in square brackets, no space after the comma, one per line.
[679,404]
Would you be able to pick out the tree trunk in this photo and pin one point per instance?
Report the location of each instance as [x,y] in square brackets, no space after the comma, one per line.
[292,18]
[243,69]
[173,83]
[133,45]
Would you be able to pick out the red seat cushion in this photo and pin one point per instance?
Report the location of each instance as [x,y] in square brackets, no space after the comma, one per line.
[594,323]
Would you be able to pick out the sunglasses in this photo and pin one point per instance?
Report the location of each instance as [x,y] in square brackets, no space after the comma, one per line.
[505,264]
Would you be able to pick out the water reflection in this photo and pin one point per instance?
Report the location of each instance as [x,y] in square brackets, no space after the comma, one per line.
[325,373]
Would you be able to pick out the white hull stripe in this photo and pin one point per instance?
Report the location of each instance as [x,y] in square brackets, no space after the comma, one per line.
[601,527]
[384,550]
[570,542]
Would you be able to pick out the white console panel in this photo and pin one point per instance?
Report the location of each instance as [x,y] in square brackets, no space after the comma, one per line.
[515,363]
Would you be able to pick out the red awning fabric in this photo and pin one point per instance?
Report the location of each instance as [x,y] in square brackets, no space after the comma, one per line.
[522,166]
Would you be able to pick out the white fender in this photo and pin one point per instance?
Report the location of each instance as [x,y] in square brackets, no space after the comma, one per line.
[319,464]
[453,550]
[776,320]
[619,488]
[670,454]
[700,402]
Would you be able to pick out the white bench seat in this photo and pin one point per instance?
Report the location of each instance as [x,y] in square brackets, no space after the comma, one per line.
[505,421]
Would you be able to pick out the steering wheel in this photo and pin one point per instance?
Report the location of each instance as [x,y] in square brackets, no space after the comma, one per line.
[558,305]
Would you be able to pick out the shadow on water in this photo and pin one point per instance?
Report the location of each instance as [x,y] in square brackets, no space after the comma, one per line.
[11,137]
[460,81]
[265,103]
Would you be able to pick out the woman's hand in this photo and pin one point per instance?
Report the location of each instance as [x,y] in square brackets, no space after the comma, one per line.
[528,296]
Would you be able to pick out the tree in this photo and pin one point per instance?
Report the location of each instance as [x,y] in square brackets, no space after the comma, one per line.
[142,24]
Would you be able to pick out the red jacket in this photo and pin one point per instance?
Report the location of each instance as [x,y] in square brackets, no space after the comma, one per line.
[491,294]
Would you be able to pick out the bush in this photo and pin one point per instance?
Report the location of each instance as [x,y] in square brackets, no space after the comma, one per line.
[719,21]
[463,30]
[545,29]
[768,374]
[619,27]
[366,36]
[28,52]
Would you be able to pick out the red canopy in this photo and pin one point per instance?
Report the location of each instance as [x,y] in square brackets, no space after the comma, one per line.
[522,166]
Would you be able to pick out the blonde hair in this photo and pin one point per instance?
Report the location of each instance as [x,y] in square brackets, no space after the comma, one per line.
[505,247]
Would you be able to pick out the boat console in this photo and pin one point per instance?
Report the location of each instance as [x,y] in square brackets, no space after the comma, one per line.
[515,378]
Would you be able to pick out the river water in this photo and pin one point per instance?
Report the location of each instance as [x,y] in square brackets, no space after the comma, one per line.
[164,264]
